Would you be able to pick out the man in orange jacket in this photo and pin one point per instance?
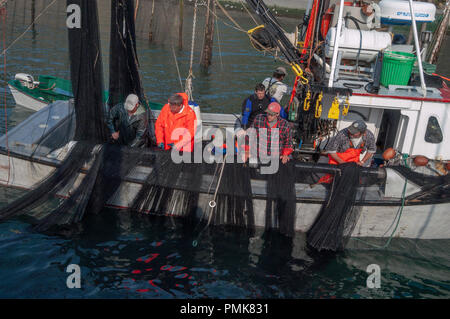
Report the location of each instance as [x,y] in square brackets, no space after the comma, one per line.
[176,124]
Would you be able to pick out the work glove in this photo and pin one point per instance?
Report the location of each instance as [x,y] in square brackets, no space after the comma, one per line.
[161,146]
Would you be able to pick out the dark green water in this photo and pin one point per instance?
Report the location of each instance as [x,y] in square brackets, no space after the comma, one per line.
[227,263]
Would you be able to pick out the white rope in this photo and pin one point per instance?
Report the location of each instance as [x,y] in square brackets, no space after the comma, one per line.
[188,86]
[27,29]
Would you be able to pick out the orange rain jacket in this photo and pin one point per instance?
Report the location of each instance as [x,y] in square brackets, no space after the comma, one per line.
[167,123]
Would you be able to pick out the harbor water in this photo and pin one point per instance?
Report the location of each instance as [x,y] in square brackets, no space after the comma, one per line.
[124,255]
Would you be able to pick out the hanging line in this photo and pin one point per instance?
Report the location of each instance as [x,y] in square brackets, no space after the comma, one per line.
[136,10]
[188,86]
[3,15]
[173,48]
[27,29]
[212,203]
[239,28]
[246,9]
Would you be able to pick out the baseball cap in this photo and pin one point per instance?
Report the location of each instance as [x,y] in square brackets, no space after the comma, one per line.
[357,127]
[274,107]
[131,102]
[281,70]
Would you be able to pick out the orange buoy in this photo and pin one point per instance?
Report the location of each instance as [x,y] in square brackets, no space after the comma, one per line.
[420,160]
[388,154]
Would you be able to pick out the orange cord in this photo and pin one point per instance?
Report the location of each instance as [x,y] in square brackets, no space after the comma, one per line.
[442,77]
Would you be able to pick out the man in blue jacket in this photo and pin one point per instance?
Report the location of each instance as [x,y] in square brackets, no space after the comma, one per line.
[255,104]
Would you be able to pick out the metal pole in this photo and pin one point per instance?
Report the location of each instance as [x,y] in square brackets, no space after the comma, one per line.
[336,43]
[417,45]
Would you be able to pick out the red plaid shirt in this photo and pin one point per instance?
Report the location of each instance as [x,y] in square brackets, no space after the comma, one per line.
[283,145]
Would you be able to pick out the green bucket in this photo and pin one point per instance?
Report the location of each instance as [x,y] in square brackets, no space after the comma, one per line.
[397,67]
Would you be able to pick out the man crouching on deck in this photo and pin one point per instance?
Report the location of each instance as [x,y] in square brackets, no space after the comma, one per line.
[127,122]
[176,125]
[274,134]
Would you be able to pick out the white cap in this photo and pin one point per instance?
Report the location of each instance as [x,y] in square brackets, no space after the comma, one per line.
[131,102]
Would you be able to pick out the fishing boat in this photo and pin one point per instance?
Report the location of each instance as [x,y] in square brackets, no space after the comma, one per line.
[48,89]
[407,197]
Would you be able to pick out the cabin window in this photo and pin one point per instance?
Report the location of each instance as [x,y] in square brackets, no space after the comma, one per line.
[434,132]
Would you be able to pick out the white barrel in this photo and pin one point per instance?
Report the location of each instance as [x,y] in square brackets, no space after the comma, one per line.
[372,42]
[398,12]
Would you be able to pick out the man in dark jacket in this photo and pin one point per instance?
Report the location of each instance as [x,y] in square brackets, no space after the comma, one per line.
[127,122]
[255,104]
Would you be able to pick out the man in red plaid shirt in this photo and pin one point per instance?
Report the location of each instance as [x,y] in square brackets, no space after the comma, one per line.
[268,139]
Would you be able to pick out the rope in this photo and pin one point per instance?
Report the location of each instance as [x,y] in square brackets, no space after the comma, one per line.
[239,28]
[3,14]
[245,7]
[136,10]
[26,30]
[399,214]
[212,204]
[188,86]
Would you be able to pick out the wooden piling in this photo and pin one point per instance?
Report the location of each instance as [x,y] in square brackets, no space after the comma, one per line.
[150,30]
[206,59]
[180,30]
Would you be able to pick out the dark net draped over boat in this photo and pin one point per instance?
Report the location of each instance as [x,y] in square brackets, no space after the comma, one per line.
[338,215]
[87,75]
[124,75]
[90,129]
[93,173]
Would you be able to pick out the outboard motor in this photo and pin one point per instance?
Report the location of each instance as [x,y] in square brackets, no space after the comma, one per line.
[26,80]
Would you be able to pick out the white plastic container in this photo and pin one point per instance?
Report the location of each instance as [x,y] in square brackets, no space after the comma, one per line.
[372,42]
[398,12]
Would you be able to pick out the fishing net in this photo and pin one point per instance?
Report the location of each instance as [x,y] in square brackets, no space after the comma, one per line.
[281,199]
[87,75]
[72,179]
[124,76]
[338,215]
[90,129]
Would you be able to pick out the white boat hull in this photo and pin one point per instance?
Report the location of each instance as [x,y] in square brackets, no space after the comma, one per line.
[417,222]
[27,101]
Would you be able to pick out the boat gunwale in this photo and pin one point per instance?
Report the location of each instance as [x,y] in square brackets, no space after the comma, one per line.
[389,202]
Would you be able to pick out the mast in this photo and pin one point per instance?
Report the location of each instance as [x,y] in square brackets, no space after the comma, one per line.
[417,45]
[336,44]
